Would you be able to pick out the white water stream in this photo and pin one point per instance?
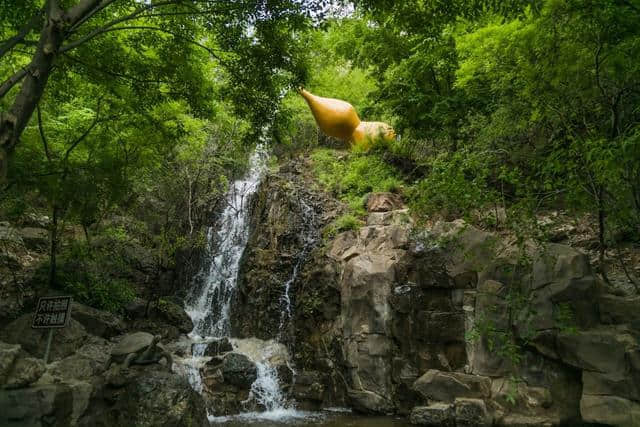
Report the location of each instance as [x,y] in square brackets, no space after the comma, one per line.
[209,301]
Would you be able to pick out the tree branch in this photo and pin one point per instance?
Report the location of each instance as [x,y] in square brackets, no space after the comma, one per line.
[134,15]
[113,73]
[88,15]
[83,136]
[24,31]
[145,27]
[12,81]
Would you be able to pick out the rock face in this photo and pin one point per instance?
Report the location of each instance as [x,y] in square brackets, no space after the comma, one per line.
[45,405]
[156,398]
[392,320]
[65,340]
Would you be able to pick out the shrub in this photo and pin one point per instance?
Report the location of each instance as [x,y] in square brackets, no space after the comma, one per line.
[344,223]
[351,176]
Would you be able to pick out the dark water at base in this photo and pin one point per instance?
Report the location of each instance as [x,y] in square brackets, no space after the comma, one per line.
[313,419]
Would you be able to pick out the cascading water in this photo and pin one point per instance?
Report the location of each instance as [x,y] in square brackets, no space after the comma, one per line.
[209,301]
[310,238]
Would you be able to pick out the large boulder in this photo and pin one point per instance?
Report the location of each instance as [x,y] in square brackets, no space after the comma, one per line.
[174,314]
[610,410]
[65,340]
[8,354]
[40,406]
[155,398]
[97,322]
[447,386]
[85,364]
[435,415]
[238,370]
[25,371]
[383,202]
[599,350]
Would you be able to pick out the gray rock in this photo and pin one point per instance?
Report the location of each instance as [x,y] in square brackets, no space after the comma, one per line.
[610,410]
[174,314]
[82,392]
[35,238]
[97,322]
[436,415]
[8,355]
[396,217]
[25,371]
[369,402]
[600,350]
[40,406]
[620,310]
[447,386]
[88,362]
[471,413]
[238,370]
[65,340]
[158,398]
[618,384]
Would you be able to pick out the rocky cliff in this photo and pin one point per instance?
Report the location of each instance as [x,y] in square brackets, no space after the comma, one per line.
[449,324]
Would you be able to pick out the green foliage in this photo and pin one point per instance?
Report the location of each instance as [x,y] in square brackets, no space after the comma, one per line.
[110,295]
[457,183]
[83,273]
[351,176]
[345,222]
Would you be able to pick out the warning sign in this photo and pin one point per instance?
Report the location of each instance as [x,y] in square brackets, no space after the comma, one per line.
[52,312]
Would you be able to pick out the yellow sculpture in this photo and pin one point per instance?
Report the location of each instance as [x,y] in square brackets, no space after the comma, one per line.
[339,119]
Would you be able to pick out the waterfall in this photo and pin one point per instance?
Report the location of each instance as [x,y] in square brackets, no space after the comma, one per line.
[209,301]
[310,236]
[209,304]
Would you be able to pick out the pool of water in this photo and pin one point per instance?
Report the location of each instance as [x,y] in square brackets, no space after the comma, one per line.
[325,418]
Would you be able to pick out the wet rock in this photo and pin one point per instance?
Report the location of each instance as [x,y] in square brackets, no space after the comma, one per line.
[471,413]
[383,202]
[308,386]
[446,386]
[44,405]
[369,402]
[435,415]
[174,314]
[97,322]
[221,346]
[65,340]
[239,370]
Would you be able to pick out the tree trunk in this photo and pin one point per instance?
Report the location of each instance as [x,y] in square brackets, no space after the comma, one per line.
[13,122]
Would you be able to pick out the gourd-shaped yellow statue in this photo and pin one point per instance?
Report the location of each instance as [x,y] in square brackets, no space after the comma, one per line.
[339,119]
